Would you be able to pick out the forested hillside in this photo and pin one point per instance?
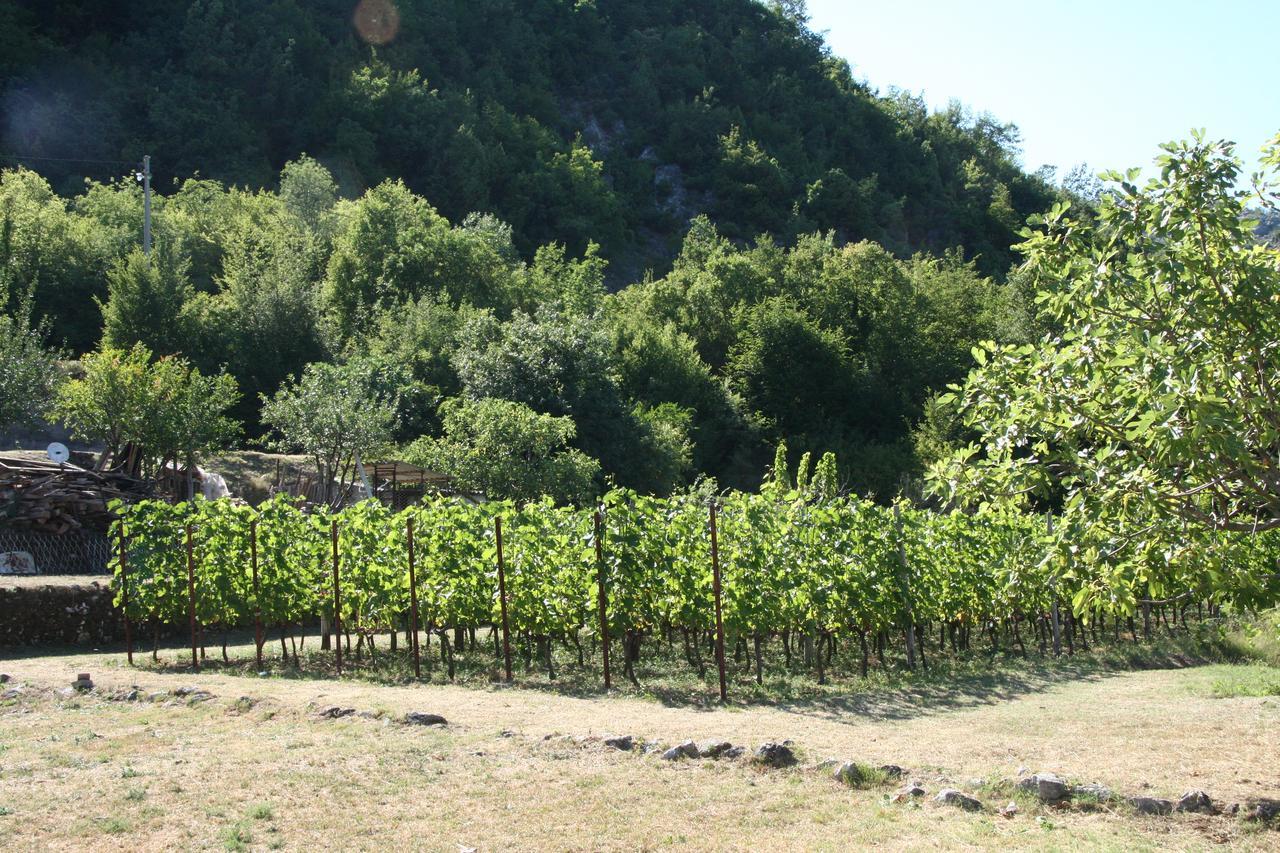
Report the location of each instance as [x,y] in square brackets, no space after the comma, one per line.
[607,120]
[550,243]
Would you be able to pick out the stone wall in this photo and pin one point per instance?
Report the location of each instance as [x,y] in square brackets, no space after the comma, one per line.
[58,614]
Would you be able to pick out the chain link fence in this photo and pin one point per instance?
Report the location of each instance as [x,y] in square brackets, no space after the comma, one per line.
[60,553]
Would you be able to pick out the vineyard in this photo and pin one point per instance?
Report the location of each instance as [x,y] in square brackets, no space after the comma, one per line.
[841,582]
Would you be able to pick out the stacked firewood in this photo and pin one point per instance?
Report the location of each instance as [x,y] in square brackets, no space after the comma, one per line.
[40,495]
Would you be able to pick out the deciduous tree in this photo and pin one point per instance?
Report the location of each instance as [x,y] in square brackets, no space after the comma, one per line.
[1157,398]
[331,413]
[508,451]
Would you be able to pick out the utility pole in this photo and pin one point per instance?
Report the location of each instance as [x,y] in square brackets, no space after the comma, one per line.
[146,205]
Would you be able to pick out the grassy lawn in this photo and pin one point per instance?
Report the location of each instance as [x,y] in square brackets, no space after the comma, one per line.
[255,768]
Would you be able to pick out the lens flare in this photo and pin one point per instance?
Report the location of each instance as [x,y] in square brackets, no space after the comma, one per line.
[377,21]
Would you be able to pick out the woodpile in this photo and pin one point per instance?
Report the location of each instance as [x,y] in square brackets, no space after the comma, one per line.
[40,495]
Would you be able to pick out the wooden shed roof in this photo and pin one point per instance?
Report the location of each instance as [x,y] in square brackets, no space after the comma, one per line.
[402,472]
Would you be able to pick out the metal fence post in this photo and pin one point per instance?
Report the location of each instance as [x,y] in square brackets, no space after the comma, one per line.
[191,599]
[337,599]
[502,598]
[906,590]
[602,600]
[413,603]
[124,593]
[715,586]
[257,598]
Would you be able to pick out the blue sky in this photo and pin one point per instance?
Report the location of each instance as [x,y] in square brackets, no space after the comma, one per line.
[1085,81]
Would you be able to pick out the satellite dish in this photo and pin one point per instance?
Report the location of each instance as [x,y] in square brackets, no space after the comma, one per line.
[58,452]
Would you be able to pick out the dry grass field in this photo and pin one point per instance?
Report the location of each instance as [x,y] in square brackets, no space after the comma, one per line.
[256,767]
[38,581]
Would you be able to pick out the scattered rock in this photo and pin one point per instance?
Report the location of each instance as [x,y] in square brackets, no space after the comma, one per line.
[625,743]
[1101,793]
[420,718]
[11,693]
[369,715]
[652,746]
[509,733]
[1023,771]
[828,764]
[850,774]
[908,792]
[157,696]
[1197,802]
[333,712]
[83,682]
[1151,805]
[776,754]
[688,749]
[959,799]
[1010,810]
[4,678]
[734,752]
[193,695]
[1262,810]
[714,749]
[1048,787]
[892,771]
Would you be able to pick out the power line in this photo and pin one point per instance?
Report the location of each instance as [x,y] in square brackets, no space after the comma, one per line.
[130,163]
[141,170]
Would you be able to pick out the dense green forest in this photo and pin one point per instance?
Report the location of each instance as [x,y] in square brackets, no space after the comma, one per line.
[639,241]
[572,121]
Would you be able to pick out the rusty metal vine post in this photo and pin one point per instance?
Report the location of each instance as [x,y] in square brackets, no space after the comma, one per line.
[257,598]
[337,599]
[413,603]
[715,587]
[502,599]
[124,595]
[601,598]
[191,598]
[905,575]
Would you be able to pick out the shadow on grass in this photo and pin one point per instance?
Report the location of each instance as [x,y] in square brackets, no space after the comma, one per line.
[890,692]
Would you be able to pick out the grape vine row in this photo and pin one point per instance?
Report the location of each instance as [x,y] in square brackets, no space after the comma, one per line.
[807,570]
